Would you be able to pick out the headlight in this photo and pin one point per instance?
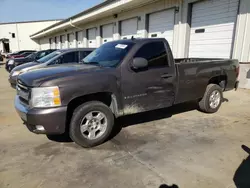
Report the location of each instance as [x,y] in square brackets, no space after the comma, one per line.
[45,97]
[11,62]
[15,73]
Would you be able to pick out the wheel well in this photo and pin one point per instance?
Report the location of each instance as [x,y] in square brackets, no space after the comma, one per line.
[104,97]
[219,80]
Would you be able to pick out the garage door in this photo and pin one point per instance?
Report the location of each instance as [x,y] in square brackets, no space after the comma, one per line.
[58,43]
[80,39]
[129,28]
[212,28]
[161,25]
[107,33]
[92,37]
[63,38]
[71,40]
[52,43]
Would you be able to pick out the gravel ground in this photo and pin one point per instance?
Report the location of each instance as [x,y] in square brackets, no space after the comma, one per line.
[179,145]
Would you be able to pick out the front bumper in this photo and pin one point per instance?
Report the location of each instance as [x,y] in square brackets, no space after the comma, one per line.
[52,119]
[9,67]
[12,81]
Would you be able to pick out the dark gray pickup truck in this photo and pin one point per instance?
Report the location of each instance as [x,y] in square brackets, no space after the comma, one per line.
[119,78]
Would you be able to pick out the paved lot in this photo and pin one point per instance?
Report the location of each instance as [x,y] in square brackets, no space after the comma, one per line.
[186,148]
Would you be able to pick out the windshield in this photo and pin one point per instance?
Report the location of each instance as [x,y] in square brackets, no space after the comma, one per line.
[31,56]
[48,57]
[109,54]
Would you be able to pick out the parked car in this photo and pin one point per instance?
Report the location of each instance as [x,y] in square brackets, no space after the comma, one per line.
[12,63]
[119,78]
[64,56]
[18,53]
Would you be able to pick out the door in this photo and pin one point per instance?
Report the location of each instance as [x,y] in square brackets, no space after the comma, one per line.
[52,43]
[129,28]
[92,37]
[107,33]
[212,28]
[58,43]
[71,40]
[80,39]
[70,57]
[83,54]
[63,39]
[150,88]
[161,25]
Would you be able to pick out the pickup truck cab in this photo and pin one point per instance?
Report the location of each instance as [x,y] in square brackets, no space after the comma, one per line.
[119,78]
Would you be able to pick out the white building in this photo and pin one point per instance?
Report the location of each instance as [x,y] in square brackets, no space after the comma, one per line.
[15,36]
[194,28]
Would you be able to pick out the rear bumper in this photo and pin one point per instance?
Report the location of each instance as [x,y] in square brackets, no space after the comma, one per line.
[53,120]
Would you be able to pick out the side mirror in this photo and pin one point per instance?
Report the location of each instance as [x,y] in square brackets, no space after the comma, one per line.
[139,63]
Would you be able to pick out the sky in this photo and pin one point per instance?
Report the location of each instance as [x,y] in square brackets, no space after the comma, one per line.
[29,10]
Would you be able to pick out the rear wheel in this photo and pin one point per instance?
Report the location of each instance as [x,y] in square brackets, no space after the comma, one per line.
[91,124]
[212,99]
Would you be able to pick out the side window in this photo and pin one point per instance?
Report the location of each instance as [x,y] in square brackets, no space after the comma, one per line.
[83,54]
[155,53]
[40,55]
[71,57]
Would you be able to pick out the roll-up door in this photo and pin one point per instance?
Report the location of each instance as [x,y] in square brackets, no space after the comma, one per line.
[58,42]
[63,39]
[71,40]
[107,33]
[212,28]
[80,39]
[129,28]
[52,43]
[161,25]
[92,37]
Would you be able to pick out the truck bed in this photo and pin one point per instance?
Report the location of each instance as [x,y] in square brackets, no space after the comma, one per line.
[194,74]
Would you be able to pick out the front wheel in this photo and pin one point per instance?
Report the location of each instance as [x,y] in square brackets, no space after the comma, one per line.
[212,99]
[91,124]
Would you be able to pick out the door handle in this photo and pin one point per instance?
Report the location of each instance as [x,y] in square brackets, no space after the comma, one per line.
[166,76]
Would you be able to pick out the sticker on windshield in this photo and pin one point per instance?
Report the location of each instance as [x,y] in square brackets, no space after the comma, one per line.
[122,46]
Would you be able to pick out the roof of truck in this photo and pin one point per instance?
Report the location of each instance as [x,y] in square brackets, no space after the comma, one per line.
[138,40]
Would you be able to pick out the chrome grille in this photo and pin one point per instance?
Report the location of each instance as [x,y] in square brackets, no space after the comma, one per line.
[23,92]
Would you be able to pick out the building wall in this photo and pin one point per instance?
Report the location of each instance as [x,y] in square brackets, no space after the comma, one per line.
[5,32]
[22,32]
[136,12]
[242,39]
[181,40]
[242,43]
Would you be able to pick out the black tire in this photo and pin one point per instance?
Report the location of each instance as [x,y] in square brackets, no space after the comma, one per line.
[78,115]
[204,104]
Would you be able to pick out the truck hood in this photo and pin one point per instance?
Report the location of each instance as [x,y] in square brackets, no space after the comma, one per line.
[37,77]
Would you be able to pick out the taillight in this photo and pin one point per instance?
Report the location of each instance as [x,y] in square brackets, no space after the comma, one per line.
[237,71]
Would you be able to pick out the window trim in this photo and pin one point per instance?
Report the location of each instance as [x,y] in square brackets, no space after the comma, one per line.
[168,65]
[68,53]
